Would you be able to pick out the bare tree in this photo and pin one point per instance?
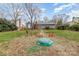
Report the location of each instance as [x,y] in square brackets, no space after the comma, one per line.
[46,19]
[1,14]
[32,12]
[16,12]
[60,17]
[13,11]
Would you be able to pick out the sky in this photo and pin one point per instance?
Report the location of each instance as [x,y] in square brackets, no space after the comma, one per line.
[50,9]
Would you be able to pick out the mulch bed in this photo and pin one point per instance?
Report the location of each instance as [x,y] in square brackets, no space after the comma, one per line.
[26,46]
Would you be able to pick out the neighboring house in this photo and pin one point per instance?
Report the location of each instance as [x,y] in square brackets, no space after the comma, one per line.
[19,24]
[46,25]
[42,25]
[70,23]
[28,25]
[75,20]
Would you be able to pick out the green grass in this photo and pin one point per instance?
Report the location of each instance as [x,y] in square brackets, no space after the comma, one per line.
[6,36]
[71,35]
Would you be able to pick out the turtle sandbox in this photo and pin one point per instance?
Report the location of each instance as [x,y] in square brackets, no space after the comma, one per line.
[44,42]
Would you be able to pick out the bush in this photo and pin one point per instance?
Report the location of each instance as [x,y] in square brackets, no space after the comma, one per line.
[64,27]
[47,27]
[23,29]
[74,27]
[59,27]
[6,25]
[12,26]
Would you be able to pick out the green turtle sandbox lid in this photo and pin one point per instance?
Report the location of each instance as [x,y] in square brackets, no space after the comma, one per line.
[44,42]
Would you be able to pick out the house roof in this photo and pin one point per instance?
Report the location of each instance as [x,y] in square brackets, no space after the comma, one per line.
[46,23]
[39,22]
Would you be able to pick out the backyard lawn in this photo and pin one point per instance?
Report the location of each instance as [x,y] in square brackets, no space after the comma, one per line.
[18,43]
[71,35]
[6,36]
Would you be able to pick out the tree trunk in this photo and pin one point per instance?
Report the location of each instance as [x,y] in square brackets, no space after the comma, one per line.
[31,25]
[19,23]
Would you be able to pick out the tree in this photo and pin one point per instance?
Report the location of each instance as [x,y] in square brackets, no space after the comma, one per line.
[1,14]
[32,12]
[59,22]
[6,25]
[14,11]
[45,18]
[74,27]
[75,20]
[61,19]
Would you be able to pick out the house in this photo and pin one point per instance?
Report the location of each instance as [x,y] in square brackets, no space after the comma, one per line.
[19,24]
[47,25]
[28,25]
[75,20]
[42,25]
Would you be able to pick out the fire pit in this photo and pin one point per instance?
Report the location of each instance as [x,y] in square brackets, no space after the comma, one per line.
[44,42]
